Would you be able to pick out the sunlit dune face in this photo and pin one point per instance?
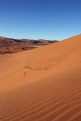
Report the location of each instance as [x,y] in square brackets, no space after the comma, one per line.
[43,84]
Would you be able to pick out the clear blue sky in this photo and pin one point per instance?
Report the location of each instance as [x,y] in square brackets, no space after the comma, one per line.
[37,19]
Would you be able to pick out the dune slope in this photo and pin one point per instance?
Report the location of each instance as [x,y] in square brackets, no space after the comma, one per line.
[43,84]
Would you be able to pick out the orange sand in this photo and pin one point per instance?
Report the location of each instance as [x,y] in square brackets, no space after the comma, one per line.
[43,84]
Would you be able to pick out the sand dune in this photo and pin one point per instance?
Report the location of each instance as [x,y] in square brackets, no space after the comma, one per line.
[43,84]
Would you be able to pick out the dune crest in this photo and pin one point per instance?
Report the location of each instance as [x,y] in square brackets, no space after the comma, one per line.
[43,84]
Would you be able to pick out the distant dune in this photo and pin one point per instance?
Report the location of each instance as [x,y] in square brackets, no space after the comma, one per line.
[43,84]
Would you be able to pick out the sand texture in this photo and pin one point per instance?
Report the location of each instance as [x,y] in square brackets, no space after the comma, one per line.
[43,84]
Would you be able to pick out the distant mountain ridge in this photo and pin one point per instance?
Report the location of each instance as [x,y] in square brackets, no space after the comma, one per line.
[10,45]
[5,40]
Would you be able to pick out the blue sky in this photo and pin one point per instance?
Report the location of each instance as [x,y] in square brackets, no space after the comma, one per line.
[40,19]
